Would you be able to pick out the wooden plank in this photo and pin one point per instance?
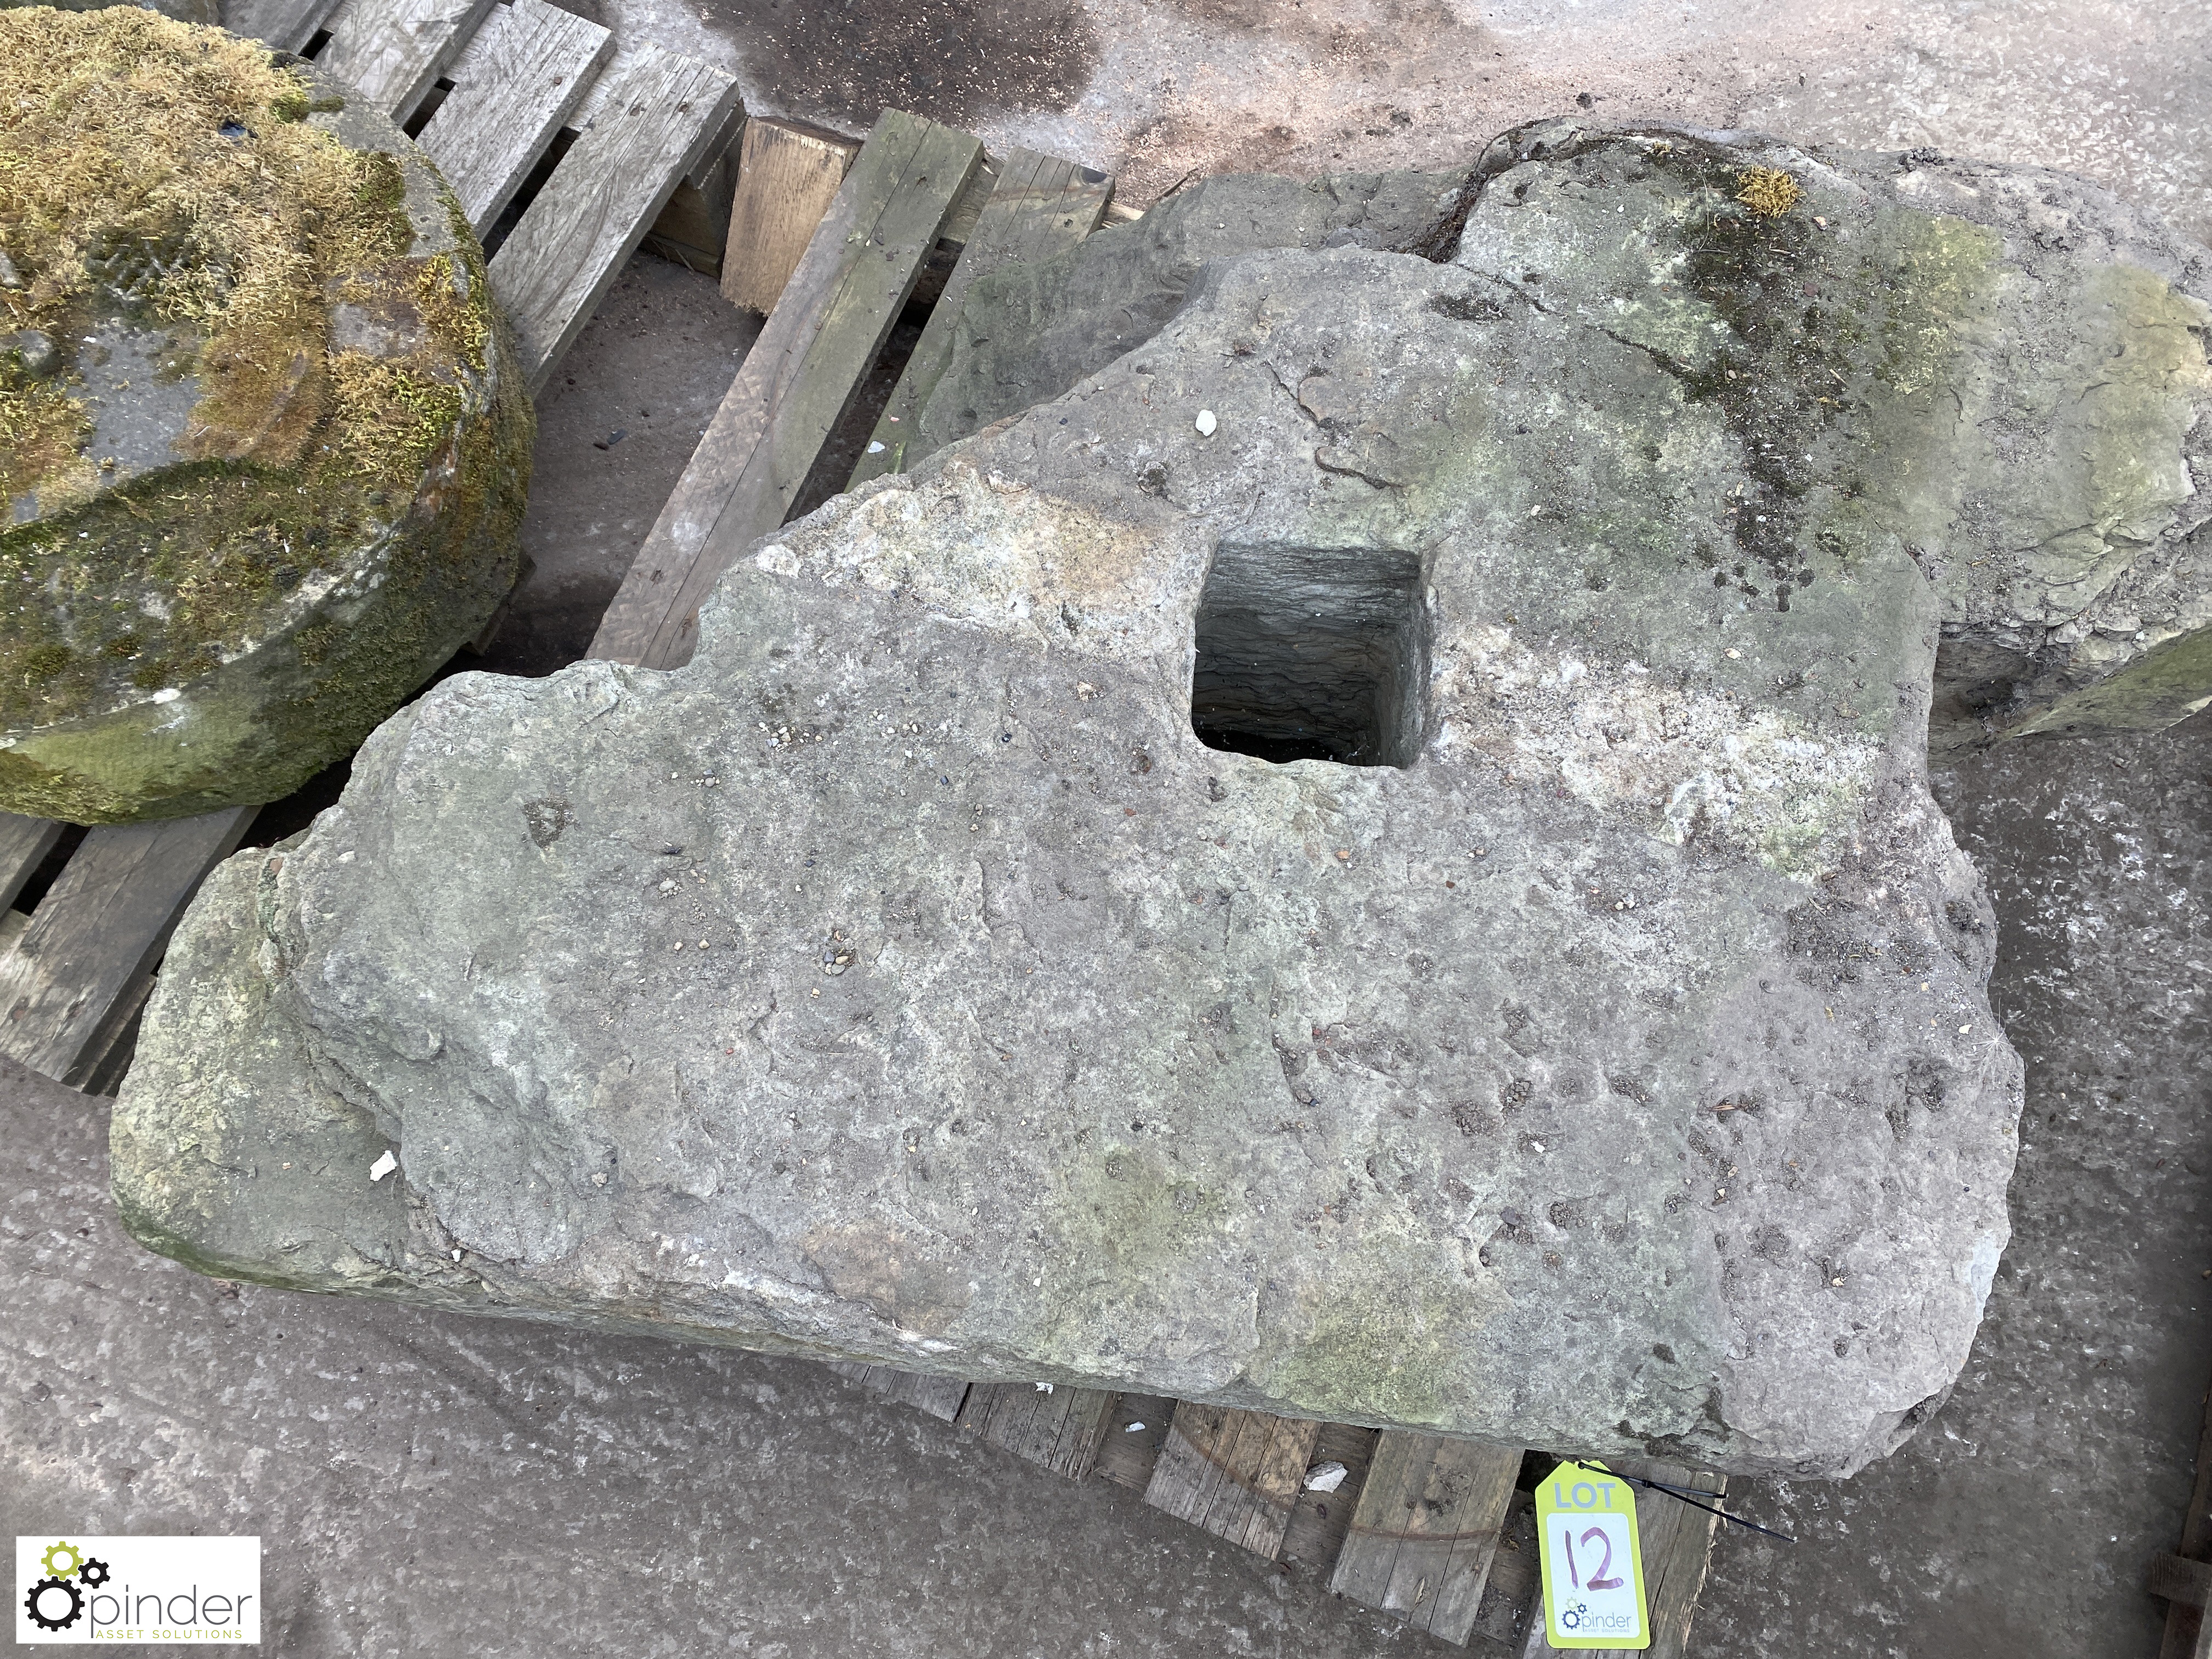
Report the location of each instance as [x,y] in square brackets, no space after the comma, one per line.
[98,934]
[1426,1527]
[718,162]
[280,25]
[940,1396]
[393,50]
[109,1058]
[2188,1632]
[647,116]
[1320,1520]
[694,229]
[522,76]
[1059,1428]
[1511,1600]
[1136,1429]
[1040,205]
[1235,1474]
[787,178]
[2179,1580]
[24,844]
[1678,1542]
[794,384]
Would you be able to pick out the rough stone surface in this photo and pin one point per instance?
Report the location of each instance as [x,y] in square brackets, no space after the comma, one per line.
[2027,358]
[270,448]
[2023,359]
[905,978]
[1034,329]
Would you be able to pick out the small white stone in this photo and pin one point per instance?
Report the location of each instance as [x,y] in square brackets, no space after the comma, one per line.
[1132,1428]
[1206,423]
[167,693]
[875,448]
[1326,1477]
[383,1166]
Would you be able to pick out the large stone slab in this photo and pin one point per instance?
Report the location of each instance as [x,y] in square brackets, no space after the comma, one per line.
[266,445]
[1557,1017]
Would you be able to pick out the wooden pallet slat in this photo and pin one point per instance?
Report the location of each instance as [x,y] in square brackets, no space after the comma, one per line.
[95,937]
[393,50]
[787,177]
[280,25]
[2179,1580]
[1059,1429]
[1040,205]
[795,383]
[1321,1519]
[940,1396]
[1426,1528]
[24,844]
[1136,1429]
[524,72]
[1235,1474]
[647,118]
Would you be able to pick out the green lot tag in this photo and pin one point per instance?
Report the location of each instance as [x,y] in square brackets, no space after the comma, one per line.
[1591,1558]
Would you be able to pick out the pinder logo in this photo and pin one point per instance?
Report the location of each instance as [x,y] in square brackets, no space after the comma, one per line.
[149,1589]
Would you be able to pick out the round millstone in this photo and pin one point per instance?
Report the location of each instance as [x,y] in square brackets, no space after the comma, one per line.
[266,443]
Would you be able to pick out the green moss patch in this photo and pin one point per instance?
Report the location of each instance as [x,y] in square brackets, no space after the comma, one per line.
[354,431]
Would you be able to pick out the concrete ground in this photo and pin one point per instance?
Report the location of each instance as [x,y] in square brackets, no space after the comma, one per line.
[430,1484]
[1158,91]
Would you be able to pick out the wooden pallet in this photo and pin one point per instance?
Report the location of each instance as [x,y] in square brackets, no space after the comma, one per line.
[528,107]
[795,385]
[914,188]
[1440,1534]
[77,969]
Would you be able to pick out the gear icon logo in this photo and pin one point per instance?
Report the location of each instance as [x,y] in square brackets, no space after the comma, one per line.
[45,1603]
[54,1602]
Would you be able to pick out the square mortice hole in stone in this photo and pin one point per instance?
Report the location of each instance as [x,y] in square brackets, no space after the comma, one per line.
[1312,653]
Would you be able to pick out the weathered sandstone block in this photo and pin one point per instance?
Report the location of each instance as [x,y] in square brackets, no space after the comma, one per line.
[1346,905]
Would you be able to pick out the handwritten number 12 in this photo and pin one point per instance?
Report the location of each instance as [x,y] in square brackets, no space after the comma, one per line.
[1599,1581]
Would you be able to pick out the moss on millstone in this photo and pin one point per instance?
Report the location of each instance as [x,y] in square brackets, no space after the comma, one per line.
[210,617]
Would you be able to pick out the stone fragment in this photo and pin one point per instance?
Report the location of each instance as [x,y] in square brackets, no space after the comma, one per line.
[1344,917]
[268,447]
[1043,325]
